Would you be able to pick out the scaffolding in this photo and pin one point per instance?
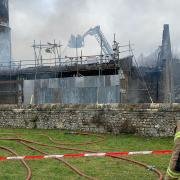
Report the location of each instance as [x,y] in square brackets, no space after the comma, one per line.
[13,73]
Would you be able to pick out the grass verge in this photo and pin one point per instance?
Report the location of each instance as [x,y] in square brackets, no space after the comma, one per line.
[102,168]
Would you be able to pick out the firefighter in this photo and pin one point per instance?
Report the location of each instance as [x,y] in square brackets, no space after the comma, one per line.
[173,171]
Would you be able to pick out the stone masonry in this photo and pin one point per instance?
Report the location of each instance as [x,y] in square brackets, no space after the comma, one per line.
[141,119]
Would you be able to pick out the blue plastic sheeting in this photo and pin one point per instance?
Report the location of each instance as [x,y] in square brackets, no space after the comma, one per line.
[75,90]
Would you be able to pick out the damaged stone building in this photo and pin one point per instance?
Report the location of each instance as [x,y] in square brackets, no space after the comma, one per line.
[101,79]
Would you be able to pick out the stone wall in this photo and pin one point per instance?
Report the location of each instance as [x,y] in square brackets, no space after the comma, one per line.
[141,119]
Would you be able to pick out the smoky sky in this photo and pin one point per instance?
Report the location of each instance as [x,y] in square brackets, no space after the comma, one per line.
[140,21]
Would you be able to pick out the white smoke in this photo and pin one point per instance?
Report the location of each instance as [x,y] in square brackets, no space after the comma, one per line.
[138,21]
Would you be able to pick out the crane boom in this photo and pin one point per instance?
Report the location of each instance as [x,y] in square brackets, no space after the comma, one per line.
[78,41]
[97,33]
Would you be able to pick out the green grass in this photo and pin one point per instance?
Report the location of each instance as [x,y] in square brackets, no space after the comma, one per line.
[102,168]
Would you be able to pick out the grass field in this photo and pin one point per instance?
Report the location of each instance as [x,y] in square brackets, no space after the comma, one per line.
[102,168]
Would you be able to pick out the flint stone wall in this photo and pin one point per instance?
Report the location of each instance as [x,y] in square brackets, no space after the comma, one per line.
[141,119]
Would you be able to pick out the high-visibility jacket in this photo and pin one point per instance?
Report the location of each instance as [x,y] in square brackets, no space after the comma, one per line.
[173,171]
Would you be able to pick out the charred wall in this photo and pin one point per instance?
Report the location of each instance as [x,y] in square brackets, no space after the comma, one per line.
[10,91]
[158,82]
